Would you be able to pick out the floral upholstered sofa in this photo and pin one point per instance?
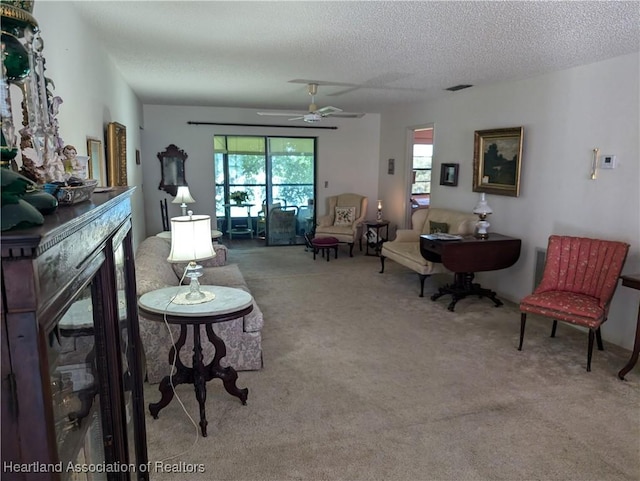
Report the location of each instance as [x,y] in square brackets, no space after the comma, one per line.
[242,336]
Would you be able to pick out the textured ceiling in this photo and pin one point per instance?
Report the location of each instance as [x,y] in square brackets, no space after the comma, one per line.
[377,54]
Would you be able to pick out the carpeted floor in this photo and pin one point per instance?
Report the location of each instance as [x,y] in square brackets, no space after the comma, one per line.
[364,380]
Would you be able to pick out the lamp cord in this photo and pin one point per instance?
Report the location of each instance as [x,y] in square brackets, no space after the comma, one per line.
[173,368]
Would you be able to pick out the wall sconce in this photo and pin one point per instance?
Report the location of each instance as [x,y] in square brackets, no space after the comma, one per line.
[379,214]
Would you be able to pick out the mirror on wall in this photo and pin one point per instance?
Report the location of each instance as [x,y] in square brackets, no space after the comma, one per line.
[172,169]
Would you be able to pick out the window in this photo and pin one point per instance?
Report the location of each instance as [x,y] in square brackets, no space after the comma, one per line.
[272,170]
[422,157]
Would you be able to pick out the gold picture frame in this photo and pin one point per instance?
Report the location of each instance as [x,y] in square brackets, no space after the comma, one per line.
[497,161]
[116,154]
[96,165]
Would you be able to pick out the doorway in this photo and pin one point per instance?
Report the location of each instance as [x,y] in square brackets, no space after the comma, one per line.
[278,176]
[420,174]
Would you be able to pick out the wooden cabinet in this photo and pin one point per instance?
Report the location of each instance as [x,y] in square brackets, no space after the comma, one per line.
[72,400]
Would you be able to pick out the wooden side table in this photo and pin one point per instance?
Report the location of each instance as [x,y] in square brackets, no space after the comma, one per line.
[465,257]
[228,304]
[377,225]
[632,281]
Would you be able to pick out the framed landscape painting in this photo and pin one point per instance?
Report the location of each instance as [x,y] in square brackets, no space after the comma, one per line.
[116,154]
[497,160]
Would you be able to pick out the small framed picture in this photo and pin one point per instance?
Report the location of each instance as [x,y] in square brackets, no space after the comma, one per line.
[391,166]
[137,157]
[449,174]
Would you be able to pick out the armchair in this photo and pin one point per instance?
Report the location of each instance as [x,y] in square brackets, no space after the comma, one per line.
[281,226]
[579,279]
[343,220]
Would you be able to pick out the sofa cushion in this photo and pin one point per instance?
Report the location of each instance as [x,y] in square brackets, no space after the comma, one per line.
[219,260]
[152,269]
[345,216]
[459,222]
[438,227]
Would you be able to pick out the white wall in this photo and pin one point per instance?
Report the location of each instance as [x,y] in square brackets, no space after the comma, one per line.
[347,157]
[565,115]
[92,89]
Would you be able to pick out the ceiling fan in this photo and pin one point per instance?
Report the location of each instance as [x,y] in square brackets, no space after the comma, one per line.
[314,114]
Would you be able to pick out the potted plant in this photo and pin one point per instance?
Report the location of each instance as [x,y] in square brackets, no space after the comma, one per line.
[239,196]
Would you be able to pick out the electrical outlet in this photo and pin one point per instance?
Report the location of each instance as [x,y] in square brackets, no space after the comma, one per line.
[608,162]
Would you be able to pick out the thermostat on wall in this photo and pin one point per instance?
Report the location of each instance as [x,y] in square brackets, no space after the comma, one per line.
[608,162]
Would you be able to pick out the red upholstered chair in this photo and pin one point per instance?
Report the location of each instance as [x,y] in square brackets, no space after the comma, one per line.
[580,277]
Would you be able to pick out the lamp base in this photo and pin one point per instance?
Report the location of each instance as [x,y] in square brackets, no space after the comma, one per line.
[185,298]
[481,229]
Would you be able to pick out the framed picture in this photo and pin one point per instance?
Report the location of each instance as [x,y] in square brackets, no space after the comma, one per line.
[391,167]
[96,165]
[116,154]
[137,157]
[449,174]
[497,160]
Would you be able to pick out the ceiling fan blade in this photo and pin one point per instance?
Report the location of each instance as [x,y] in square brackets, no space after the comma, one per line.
[298,118]
[280,114]
[349,115]
[328,110]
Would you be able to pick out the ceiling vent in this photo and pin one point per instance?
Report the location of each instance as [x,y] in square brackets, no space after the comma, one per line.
[455,88]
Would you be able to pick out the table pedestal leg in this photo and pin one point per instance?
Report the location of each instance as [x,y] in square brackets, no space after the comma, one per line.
[636,351]
[199,374]
[228,375]
[462,287]
[181,376]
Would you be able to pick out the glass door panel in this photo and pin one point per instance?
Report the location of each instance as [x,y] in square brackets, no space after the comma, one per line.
[278,173]
[75,387]
[126,348]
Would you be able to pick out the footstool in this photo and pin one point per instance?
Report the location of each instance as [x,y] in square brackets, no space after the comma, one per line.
[324,244]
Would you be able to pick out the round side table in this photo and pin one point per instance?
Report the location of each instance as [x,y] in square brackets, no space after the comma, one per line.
[228,304]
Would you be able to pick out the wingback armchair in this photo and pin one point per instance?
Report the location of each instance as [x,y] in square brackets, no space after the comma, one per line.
[343,220]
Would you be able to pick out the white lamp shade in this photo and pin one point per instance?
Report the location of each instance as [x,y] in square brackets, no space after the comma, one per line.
[183,196]
[482,207]
[191,238]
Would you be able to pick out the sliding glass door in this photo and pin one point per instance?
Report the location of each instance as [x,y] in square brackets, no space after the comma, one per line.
[278,176]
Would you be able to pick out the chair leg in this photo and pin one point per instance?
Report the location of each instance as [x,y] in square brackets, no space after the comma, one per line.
[523,322]
[590,350]
[351,249]
[553,328]
[422,278]
[599,340]
[382,258]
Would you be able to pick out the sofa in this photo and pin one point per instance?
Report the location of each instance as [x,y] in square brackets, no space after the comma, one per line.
[242,336]
[405,248]
[343,219]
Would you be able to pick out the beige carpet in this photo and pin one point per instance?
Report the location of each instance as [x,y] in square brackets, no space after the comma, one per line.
[364,380]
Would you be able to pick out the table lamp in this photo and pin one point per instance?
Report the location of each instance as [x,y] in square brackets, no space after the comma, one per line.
[183,197]
[191,242]
[482,209]
[379,214]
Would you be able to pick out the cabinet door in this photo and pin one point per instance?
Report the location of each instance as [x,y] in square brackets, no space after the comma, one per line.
[131,355]
[75,390]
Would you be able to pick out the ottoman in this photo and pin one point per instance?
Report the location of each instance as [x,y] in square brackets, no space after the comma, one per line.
[324,245]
